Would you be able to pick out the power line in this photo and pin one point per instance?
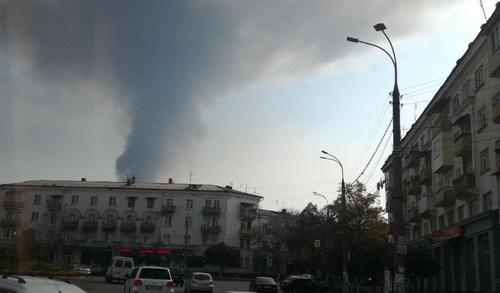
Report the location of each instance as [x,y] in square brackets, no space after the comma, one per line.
[423,83]
[375,167]
[376,149]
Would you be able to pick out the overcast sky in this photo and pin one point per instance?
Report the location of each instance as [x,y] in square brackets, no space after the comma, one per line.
[242,93]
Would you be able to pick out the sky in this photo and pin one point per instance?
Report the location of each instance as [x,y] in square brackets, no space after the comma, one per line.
[241,93]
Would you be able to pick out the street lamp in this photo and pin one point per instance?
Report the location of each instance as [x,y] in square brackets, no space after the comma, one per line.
[396,195]
[345,275]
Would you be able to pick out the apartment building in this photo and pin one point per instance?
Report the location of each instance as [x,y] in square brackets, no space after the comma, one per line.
[89,222]
[451,169]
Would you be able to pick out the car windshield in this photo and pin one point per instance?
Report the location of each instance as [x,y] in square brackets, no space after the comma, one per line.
[331,145]
[265,281]
[150,273]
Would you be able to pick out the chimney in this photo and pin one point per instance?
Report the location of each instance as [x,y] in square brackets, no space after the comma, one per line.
[170,181]
[229,187]
[84,179]
[283,211]
[128,181]
[133,180]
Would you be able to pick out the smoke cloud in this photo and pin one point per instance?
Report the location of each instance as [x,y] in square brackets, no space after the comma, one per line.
[162,61]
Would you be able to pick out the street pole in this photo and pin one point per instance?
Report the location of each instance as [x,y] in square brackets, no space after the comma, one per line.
[345,274]
[325,245]
[397,194]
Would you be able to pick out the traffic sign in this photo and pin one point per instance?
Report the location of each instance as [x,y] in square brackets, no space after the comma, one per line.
[317,243]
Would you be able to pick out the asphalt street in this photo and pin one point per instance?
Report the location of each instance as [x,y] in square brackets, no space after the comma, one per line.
[97,285]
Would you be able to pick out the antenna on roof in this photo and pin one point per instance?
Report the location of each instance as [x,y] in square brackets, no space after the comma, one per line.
[190,176]
[482,8]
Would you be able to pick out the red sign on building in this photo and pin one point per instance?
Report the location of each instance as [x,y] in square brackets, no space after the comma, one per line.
[447,233]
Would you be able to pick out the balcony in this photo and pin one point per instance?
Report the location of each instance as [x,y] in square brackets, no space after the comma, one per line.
[70,225]
[413,215]
[388,202]
[414,186]
[425,174]
[442,157]
[89,226]
[9,223]
[426,206]
[463,144]
[412,158]
[442,125]
[463,186]
[248,233]
[211,211]
[128,227]
[54,205]
[444,197]
[147,227]
[108,226]
[248,212]
[495,110]
[12,204]
[167,209]
[210,229]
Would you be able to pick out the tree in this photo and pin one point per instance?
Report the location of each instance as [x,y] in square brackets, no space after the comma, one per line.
[223,256]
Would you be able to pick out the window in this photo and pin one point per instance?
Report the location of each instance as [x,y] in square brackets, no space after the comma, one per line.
[215,221]
[208,203]
[435,149]
[461,213]
[189,222]
[74,200]
[213,239]
[169,202]
[456,103]
[495,38]
[483,160]
[247,243]
[216,203]
[450,215]
[149,220]
[37,199]
[34,217]
[131,202]
[112,201]
[242,242]
[129,219]
[426,228]
[110,219]
[246,262]
[473,207]
[187,239]
[53,217]
[466,89]
[205,240]
[481,115]
[166,238]
[10,214]
[167,222]
[487,201]
[93,201]
[151,202]
[441,221]
[189,204]
[478,76]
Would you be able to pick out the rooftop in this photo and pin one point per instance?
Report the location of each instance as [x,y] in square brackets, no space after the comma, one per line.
[124,185]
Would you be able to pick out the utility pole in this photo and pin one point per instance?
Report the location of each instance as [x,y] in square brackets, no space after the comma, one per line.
[185,240]
[397,194]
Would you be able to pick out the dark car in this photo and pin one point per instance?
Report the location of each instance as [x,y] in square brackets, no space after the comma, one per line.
[299,284]
[263,285]
[177,276]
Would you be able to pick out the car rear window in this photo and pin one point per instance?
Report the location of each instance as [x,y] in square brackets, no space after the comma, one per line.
[201,277]
[154,274]
[119,263]
[128,264]
[265,281]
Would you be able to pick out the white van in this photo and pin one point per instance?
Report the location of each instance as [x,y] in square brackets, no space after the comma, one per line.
[119,268]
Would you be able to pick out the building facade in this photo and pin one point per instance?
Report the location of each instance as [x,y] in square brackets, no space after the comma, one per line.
[451,169]
[89,222]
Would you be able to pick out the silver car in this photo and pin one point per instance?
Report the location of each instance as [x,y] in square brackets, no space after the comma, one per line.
[199,282]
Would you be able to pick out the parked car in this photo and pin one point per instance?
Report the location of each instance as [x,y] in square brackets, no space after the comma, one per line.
[199,282]
[177,276]
[118,268]
[263,285]
[30,284]
[149,279]
[300,284]
[97,270]
[85,270]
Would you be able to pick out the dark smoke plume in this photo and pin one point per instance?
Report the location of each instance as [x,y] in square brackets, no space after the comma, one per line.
[161,60]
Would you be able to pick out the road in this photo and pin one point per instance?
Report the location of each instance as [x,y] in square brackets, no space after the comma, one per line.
[97,285]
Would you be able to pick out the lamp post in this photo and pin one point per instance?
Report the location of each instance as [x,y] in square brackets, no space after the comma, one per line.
[345,275]
[325,245]
[398,225]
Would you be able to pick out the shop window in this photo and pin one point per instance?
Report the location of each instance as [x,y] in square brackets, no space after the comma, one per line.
[484,262]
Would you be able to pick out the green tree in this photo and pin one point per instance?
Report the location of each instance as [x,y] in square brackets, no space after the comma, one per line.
[223,256]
